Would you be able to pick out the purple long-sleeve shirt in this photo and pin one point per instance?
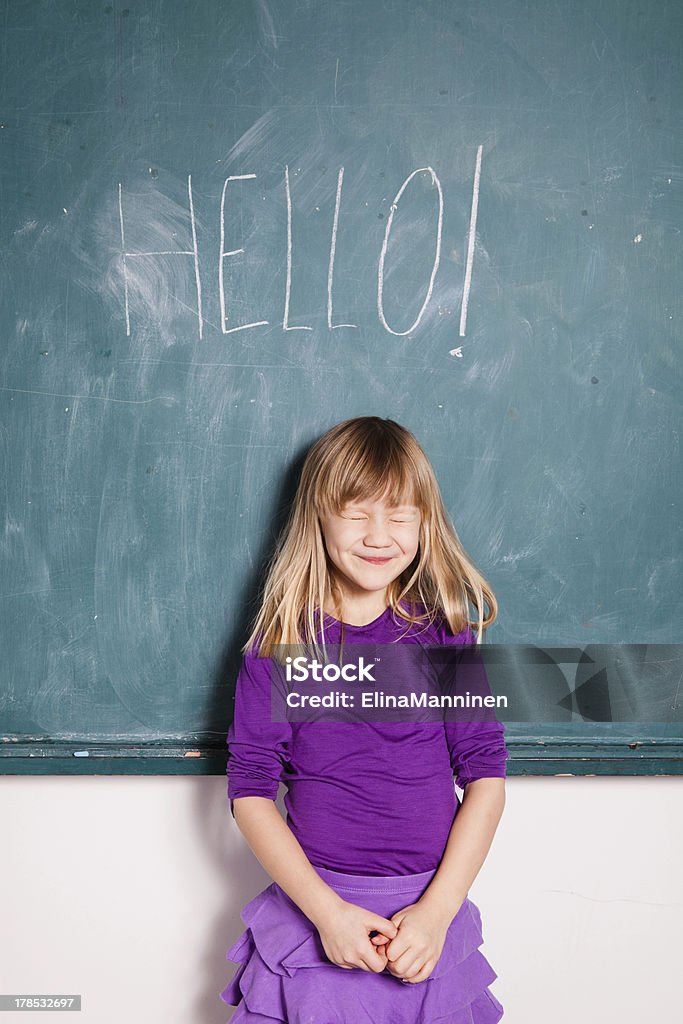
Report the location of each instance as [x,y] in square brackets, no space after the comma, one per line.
[374,798]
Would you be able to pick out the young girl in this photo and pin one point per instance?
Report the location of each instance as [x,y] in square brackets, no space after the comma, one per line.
[367,920]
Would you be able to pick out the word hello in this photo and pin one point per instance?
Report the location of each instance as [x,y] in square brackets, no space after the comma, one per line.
[299,670]
[224,254]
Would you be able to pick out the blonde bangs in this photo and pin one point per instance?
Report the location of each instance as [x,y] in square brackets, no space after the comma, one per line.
[379,473]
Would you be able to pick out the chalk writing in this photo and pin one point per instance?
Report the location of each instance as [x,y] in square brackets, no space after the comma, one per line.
[194,252]
[127,255]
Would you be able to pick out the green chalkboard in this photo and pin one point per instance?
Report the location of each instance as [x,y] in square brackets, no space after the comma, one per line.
[227,226]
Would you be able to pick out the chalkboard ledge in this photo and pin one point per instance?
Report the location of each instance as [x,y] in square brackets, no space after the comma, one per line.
[557,757]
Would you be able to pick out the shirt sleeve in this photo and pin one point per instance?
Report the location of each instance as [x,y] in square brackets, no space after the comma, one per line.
[258,748]
[477,749]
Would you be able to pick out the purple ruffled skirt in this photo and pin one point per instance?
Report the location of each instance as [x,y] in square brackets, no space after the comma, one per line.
[284,976]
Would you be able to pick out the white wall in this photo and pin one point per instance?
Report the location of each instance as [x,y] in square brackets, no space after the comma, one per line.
[128,890]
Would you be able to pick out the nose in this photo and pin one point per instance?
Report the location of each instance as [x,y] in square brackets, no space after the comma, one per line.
[377,535]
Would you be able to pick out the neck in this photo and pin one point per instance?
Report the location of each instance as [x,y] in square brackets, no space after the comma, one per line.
[356,611]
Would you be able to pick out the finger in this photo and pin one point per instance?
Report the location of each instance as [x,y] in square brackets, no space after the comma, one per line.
[411,972]
[396,949]
[382,924]
[372,963]
[403,963]
[421,975]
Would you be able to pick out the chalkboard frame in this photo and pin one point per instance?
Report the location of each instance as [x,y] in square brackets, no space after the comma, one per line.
[562,226]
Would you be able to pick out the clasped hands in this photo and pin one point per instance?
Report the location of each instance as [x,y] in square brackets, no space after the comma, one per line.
[408,944]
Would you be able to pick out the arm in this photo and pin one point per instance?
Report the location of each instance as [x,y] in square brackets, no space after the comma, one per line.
[469,841]
[260,748]
[478,758]
[279,852]
[423,925]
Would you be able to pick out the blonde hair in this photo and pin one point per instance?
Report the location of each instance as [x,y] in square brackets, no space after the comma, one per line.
[357,460]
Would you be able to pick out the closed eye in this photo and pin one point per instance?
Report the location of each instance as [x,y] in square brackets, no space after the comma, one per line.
[361,518]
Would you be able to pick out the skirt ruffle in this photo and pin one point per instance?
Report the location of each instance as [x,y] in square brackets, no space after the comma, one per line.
[284,976]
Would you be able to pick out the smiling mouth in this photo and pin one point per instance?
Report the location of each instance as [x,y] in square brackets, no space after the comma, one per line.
[375,561]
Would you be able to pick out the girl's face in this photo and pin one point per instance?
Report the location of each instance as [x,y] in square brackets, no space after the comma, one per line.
[370,544]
